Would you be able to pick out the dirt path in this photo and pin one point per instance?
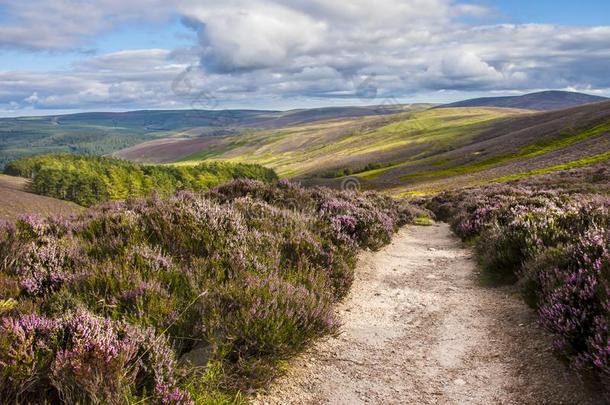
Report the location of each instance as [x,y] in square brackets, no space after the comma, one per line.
[418,328]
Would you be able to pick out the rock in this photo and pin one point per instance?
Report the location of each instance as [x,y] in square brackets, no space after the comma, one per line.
[198,357]
[432,249]
[459,381]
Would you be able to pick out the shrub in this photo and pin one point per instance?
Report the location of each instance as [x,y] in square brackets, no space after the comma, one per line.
[99,307]
[556,245]
[82,358]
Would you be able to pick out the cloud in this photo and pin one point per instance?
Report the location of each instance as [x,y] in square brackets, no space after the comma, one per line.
[129,61]
[70,24]
[410,45]
[250,52]
[263,35]
[32,99]
[123,80]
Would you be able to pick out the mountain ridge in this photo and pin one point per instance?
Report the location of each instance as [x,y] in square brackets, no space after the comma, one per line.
[539,101]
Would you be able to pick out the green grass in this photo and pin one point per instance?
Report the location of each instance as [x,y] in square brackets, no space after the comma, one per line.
[540,148]
[423,220]
[415,193]
[464,169]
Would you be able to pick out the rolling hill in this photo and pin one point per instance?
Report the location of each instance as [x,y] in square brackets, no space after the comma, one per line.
[402,149]
[103,133]
[415,152]
[321,148]
[541,101]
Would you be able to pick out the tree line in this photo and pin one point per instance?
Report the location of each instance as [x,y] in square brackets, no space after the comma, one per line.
[88,180]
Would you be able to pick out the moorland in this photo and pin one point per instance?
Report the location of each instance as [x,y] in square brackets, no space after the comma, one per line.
[188,259]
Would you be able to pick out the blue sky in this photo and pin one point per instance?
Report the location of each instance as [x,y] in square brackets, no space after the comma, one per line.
[72,55]
[563,12]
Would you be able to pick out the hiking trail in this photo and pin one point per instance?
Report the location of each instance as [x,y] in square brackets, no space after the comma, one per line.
[418,327]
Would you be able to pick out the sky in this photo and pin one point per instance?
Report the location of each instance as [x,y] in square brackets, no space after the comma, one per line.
[59,56]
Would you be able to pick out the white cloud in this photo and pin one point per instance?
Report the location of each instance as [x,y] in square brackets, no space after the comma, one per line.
[32,99]
[65,24]
[251,51]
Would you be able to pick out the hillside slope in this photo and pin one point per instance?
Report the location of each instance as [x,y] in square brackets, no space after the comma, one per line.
[422,151]
[106,132]
[15,201]
[324,147]
[542,101]
[511,148]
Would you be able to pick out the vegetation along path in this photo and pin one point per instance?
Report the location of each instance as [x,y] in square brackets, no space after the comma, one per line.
[419,328]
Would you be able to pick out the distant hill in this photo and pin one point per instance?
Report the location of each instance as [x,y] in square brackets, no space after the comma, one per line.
[542,101]
[324,146]
[421,151]
[99,133]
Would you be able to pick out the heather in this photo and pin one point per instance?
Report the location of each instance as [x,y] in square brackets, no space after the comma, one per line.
[555,244]
[195,297]
[89,180]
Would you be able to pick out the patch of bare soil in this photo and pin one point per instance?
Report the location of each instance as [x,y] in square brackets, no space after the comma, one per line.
[15,201]
[419,328]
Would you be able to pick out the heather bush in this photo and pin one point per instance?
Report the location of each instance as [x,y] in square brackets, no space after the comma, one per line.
[367,220]
[571,286]
[82,358]
[556,246]
[104,307]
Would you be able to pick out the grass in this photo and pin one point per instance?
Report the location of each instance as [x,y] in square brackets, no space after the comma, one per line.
[15,200]
[423,220]
[416,193]
[463,169]
[540,148]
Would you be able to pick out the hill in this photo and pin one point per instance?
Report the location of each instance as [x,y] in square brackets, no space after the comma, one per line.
[326,146]
[424,151]
[15,200]
[541,101]
[100,133]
